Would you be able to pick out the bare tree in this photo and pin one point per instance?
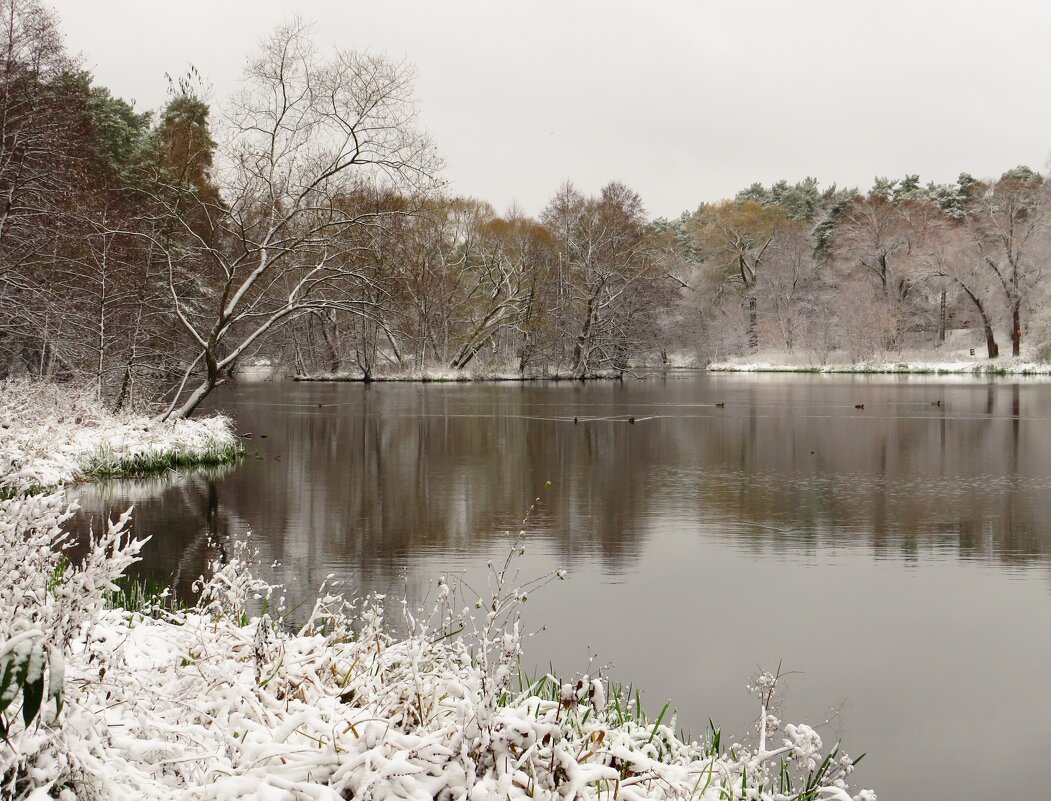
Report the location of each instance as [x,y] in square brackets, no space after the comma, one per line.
[956,265]
[611,274]
[511,255]
[734,239]
[870,239]
[37,155]
[789,286]
[297,142]
[1009,223]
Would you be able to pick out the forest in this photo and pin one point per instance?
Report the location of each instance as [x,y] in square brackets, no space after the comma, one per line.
[304,224]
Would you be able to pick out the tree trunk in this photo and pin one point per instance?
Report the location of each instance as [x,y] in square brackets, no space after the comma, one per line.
[208,383]
[579,362]
[331,351]
[753,324]
[464,357]
[990,338]
[198,395]
[941,319]
[1016,329]
[990,342]
[125,387]
[524,354]
[394,346]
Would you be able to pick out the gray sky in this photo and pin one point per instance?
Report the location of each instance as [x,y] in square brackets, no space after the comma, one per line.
[684,101]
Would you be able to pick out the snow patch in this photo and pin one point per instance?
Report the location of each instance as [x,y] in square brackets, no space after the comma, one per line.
[960,365]
[51,434]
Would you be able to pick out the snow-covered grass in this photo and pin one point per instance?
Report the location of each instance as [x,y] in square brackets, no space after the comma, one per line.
[916,363]
[222,701]
[52,434]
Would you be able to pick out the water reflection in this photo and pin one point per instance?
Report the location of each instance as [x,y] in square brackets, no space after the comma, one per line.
[365,477]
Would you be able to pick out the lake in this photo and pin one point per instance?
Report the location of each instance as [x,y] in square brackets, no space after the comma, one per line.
[894,559]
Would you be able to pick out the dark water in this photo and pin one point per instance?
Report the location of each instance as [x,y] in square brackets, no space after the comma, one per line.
[895,557]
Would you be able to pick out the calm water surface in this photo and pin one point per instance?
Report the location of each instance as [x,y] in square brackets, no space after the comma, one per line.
[897,558]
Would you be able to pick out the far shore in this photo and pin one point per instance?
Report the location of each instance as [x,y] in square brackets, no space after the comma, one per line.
[912,366]
[454,378]
[988,367]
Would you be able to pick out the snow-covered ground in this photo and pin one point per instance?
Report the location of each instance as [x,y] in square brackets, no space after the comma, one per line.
[52,434]
[446,375]
[429,374]
[919,362]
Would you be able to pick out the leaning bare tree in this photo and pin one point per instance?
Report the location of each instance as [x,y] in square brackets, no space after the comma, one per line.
[297,145]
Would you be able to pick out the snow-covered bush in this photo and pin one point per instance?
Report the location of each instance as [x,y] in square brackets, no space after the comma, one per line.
[49,605]
[52,434]
[217,703]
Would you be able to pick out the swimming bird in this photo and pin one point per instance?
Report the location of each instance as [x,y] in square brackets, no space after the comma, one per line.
[936,403]
[720,406]
[859,405]
[631,420]
[576,420]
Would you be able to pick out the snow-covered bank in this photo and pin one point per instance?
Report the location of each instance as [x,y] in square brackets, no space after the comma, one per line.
[455,376]
[213,703]
[52,434]
[961,366]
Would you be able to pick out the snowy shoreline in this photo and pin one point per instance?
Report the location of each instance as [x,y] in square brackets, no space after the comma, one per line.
[450,377]
[983,368]
[52,435]
[910,366]
[225,701]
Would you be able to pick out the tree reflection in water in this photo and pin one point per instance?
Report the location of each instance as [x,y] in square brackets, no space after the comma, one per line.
[380,475]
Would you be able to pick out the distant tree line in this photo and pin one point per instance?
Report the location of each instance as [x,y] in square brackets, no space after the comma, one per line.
[792,267]
[304,222]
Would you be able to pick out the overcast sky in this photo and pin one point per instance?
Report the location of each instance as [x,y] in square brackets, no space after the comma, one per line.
[684,101]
